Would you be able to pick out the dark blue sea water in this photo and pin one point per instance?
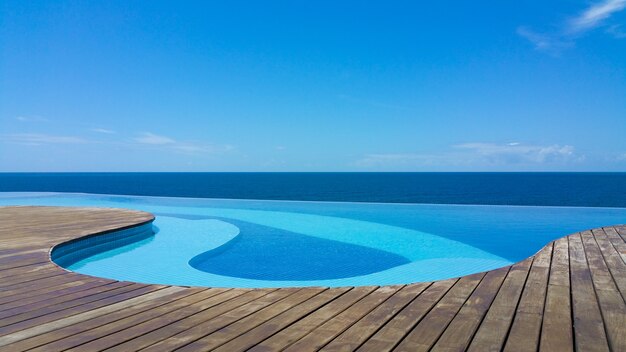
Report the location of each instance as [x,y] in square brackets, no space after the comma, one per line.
[565,189]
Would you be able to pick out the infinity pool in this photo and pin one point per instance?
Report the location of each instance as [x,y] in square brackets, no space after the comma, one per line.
[254,243]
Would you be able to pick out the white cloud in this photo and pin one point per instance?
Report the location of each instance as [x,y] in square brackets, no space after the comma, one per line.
[102,130]
[31,119]
[151,138]
[408,160]
[543,42]
[473,155]
[518,153]
[594,15]
[590,18]
[201,148]
[39,138]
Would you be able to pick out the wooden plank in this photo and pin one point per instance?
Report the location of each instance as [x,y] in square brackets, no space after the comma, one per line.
[28,276]
[33,300]
[60,302]
[494,328]
[324,333]
[394,331]
[616,240]
[133,290]
[589,333]
[118,331]
[614,261]
[28,269]
[621,230]
[30,289]
[358,333]
[70,331]
[556,331]
[231,331]
[272,326]
[207,322]
[60,322]
[526,329]
[102,292]
[426,332]
[296,331]
[166,326]
[611,302]
[459,333]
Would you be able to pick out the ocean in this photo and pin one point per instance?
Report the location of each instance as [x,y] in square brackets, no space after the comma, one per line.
[547,189]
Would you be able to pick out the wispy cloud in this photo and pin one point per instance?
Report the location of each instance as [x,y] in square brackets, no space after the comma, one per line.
[520,153]
[154,139]
[31,119]
[399,160]
[552,44]
[151,139]
[197,148]
[471,155]
[565,35]
[594,15]
[39,139]
[616,31]
[103,130]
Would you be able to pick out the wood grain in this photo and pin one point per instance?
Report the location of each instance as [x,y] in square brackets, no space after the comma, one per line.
[569,296]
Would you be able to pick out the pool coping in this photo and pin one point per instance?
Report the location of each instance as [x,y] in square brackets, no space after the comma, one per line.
[569,295]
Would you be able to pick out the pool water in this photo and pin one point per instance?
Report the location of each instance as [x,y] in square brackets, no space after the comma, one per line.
[254,243]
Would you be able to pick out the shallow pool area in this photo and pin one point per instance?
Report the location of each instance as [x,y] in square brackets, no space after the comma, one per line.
[254,243]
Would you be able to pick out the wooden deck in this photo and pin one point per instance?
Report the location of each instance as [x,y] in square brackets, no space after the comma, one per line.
[570,296]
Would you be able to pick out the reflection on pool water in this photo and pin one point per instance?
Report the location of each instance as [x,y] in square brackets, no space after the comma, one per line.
[250,243]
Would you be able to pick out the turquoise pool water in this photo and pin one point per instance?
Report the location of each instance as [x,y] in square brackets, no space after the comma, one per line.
[253,243]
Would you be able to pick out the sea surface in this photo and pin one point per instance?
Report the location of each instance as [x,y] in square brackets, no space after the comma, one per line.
[545,189]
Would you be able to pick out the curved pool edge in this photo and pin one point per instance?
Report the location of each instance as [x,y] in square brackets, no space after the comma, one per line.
[68,253]
[526,311]
[145,229]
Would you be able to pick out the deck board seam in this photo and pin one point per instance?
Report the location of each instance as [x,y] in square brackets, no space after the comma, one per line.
[571,296]
[265,321]
[198,312]
[595,292]
[623,294]
[184,317]
[519,300]
[414,325]
[305,316]
[235,319]
[359,319]
[471,339]
[91,319]
[332,316]
[391,318]
[457,312]
[170,322]
[335,316]
[545,296]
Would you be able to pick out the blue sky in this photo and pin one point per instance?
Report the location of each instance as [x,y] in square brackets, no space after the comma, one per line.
[313,86]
